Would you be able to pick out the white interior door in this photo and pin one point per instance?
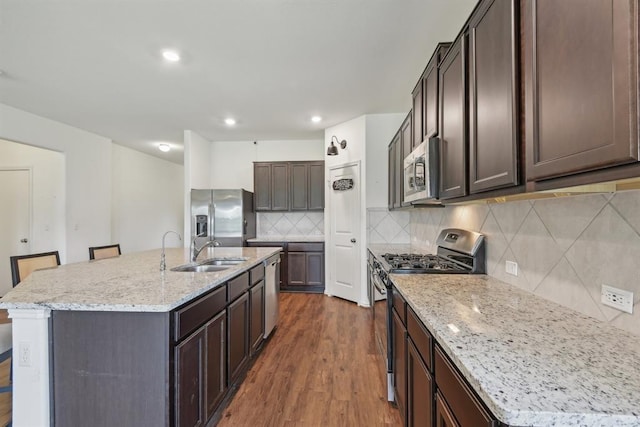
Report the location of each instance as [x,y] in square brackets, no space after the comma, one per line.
[344,218]
[15,220]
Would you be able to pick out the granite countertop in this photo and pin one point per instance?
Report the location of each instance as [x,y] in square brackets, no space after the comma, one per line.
[533,362]
[130,282]
[287,239]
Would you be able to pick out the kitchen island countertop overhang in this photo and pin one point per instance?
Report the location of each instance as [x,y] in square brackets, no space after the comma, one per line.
[131,282]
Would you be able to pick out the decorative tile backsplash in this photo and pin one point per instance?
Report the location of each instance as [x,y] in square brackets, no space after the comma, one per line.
[566,248]
[289,224]
[384,226]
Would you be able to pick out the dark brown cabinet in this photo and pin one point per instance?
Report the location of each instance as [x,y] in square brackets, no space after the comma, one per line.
[417,115]
[256,330]
[399,364]
[453,128]
[419,390]
[444,418]
[396,164]
[216,362]
[493,96]
[393,187]
[430,93]
[238,336]
[189,359]
[292,186]
[580,85]
[306,267]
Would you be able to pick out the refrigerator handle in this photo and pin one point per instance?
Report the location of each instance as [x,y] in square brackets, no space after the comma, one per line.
[212,221]
[244,227]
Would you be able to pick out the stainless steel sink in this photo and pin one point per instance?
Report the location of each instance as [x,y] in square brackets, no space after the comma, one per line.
[224,261]
[200,268]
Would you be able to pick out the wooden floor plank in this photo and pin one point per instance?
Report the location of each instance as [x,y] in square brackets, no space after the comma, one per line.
[321,368]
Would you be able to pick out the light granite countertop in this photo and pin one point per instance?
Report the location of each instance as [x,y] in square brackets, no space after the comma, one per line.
[533,362]
[130,282]
[287,239]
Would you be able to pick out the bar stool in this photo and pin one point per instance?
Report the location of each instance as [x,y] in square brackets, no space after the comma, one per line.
[23,265]
[101,252]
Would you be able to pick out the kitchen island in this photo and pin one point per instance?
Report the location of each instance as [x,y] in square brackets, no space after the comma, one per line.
[110,342]
[530,361]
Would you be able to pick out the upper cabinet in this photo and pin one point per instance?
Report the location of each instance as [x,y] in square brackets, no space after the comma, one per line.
[581,92]
[430,95]
[401,145]
[494,140]
[288,186]
[453,124]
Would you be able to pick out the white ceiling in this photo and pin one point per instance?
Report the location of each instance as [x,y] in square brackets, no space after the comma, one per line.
[271,64]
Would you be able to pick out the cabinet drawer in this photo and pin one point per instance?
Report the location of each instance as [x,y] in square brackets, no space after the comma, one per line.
[460,398]
[267,244]
[257,274]
[420,337]
[306,247]
[399,305]
[188,318]
[238,285]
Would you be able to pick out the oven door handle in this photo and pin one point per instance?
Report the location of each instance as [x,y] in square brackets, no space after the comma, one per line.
[380,289]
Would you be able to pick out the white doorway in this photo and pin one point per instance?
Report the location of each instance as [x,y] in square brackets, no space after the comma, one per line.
[15,219]
[344,258]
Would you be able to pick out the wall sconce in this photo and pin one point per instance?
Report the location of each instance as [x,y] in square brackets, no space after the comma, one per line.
[332,150]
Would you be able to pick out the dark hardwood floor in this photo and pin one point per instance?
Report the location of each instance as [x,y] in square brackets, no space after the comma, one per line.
[321,368]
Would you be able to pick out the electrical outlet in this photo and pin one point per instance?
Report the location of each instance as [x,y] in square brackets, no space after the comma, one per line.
[617,298]
[511,268]
[24,354]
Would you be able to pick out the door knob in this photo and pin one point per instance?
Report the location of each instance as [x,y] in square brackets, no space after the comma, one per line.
[25,240]
[353,240]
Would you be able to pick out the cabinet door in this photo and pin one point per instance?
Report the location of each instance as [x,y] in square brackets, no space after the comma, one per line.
[256,331]
[189,358]
[398,170]
[391,176]
[279,187]
[216,357]
[315,268]
[299,173]
[399,338]
[453,138]
[444,417]
[419,390]
[493,113]
[580,85]
[262,186]
[407,137]
[238,336]
[417,115]
[316,186]
[297,269]
[430,97]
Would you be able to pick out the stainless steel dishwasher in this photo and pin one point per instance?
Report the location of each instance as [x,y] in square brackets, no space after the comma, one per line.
[272,289]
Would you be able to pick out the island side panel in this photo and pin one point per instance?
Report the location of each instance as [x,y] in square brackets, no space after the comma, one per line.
[110,368]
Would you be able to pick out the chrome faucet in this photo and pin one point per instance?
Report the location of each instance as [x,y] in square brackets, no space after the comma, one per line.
[163,264]
[195,251]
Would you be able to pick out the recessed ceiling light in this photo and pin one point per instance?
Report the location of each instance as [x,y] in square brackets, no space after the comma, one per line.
[316,119]
[164,147]
[171,55]
[229,121]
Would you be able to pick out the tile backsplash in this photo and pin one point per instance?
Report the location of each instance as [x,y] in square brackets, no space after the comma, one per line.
[384,226]
[289,224]
[566,248]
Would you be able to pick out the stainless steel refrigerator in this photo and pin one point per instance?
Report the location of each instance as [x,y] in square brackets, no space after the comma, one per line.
[226,216]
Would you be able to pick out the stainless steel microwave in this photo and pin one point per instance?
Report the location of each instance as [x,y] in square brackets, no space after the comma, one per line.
[421,173]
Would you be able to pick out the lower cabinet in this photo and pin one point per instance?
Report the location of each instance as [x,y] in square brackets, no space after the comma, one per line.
[399,364]
[190,366]
[238,336]
[216,366]
[256,327]
[419,389]
[444,418]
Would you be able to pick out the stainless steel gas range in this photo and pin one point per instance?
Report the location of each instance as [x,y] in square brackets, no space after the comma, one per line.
[458,252]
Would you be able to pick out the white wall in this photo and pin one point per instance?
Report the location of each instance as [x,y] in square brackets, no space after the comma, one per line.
[147,195]
[232,162]
[380,129]
[197,172]
[87,175]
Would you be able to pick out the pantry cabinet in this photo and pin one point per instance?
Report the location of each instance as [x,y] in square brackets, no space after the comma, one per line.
[581,85]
